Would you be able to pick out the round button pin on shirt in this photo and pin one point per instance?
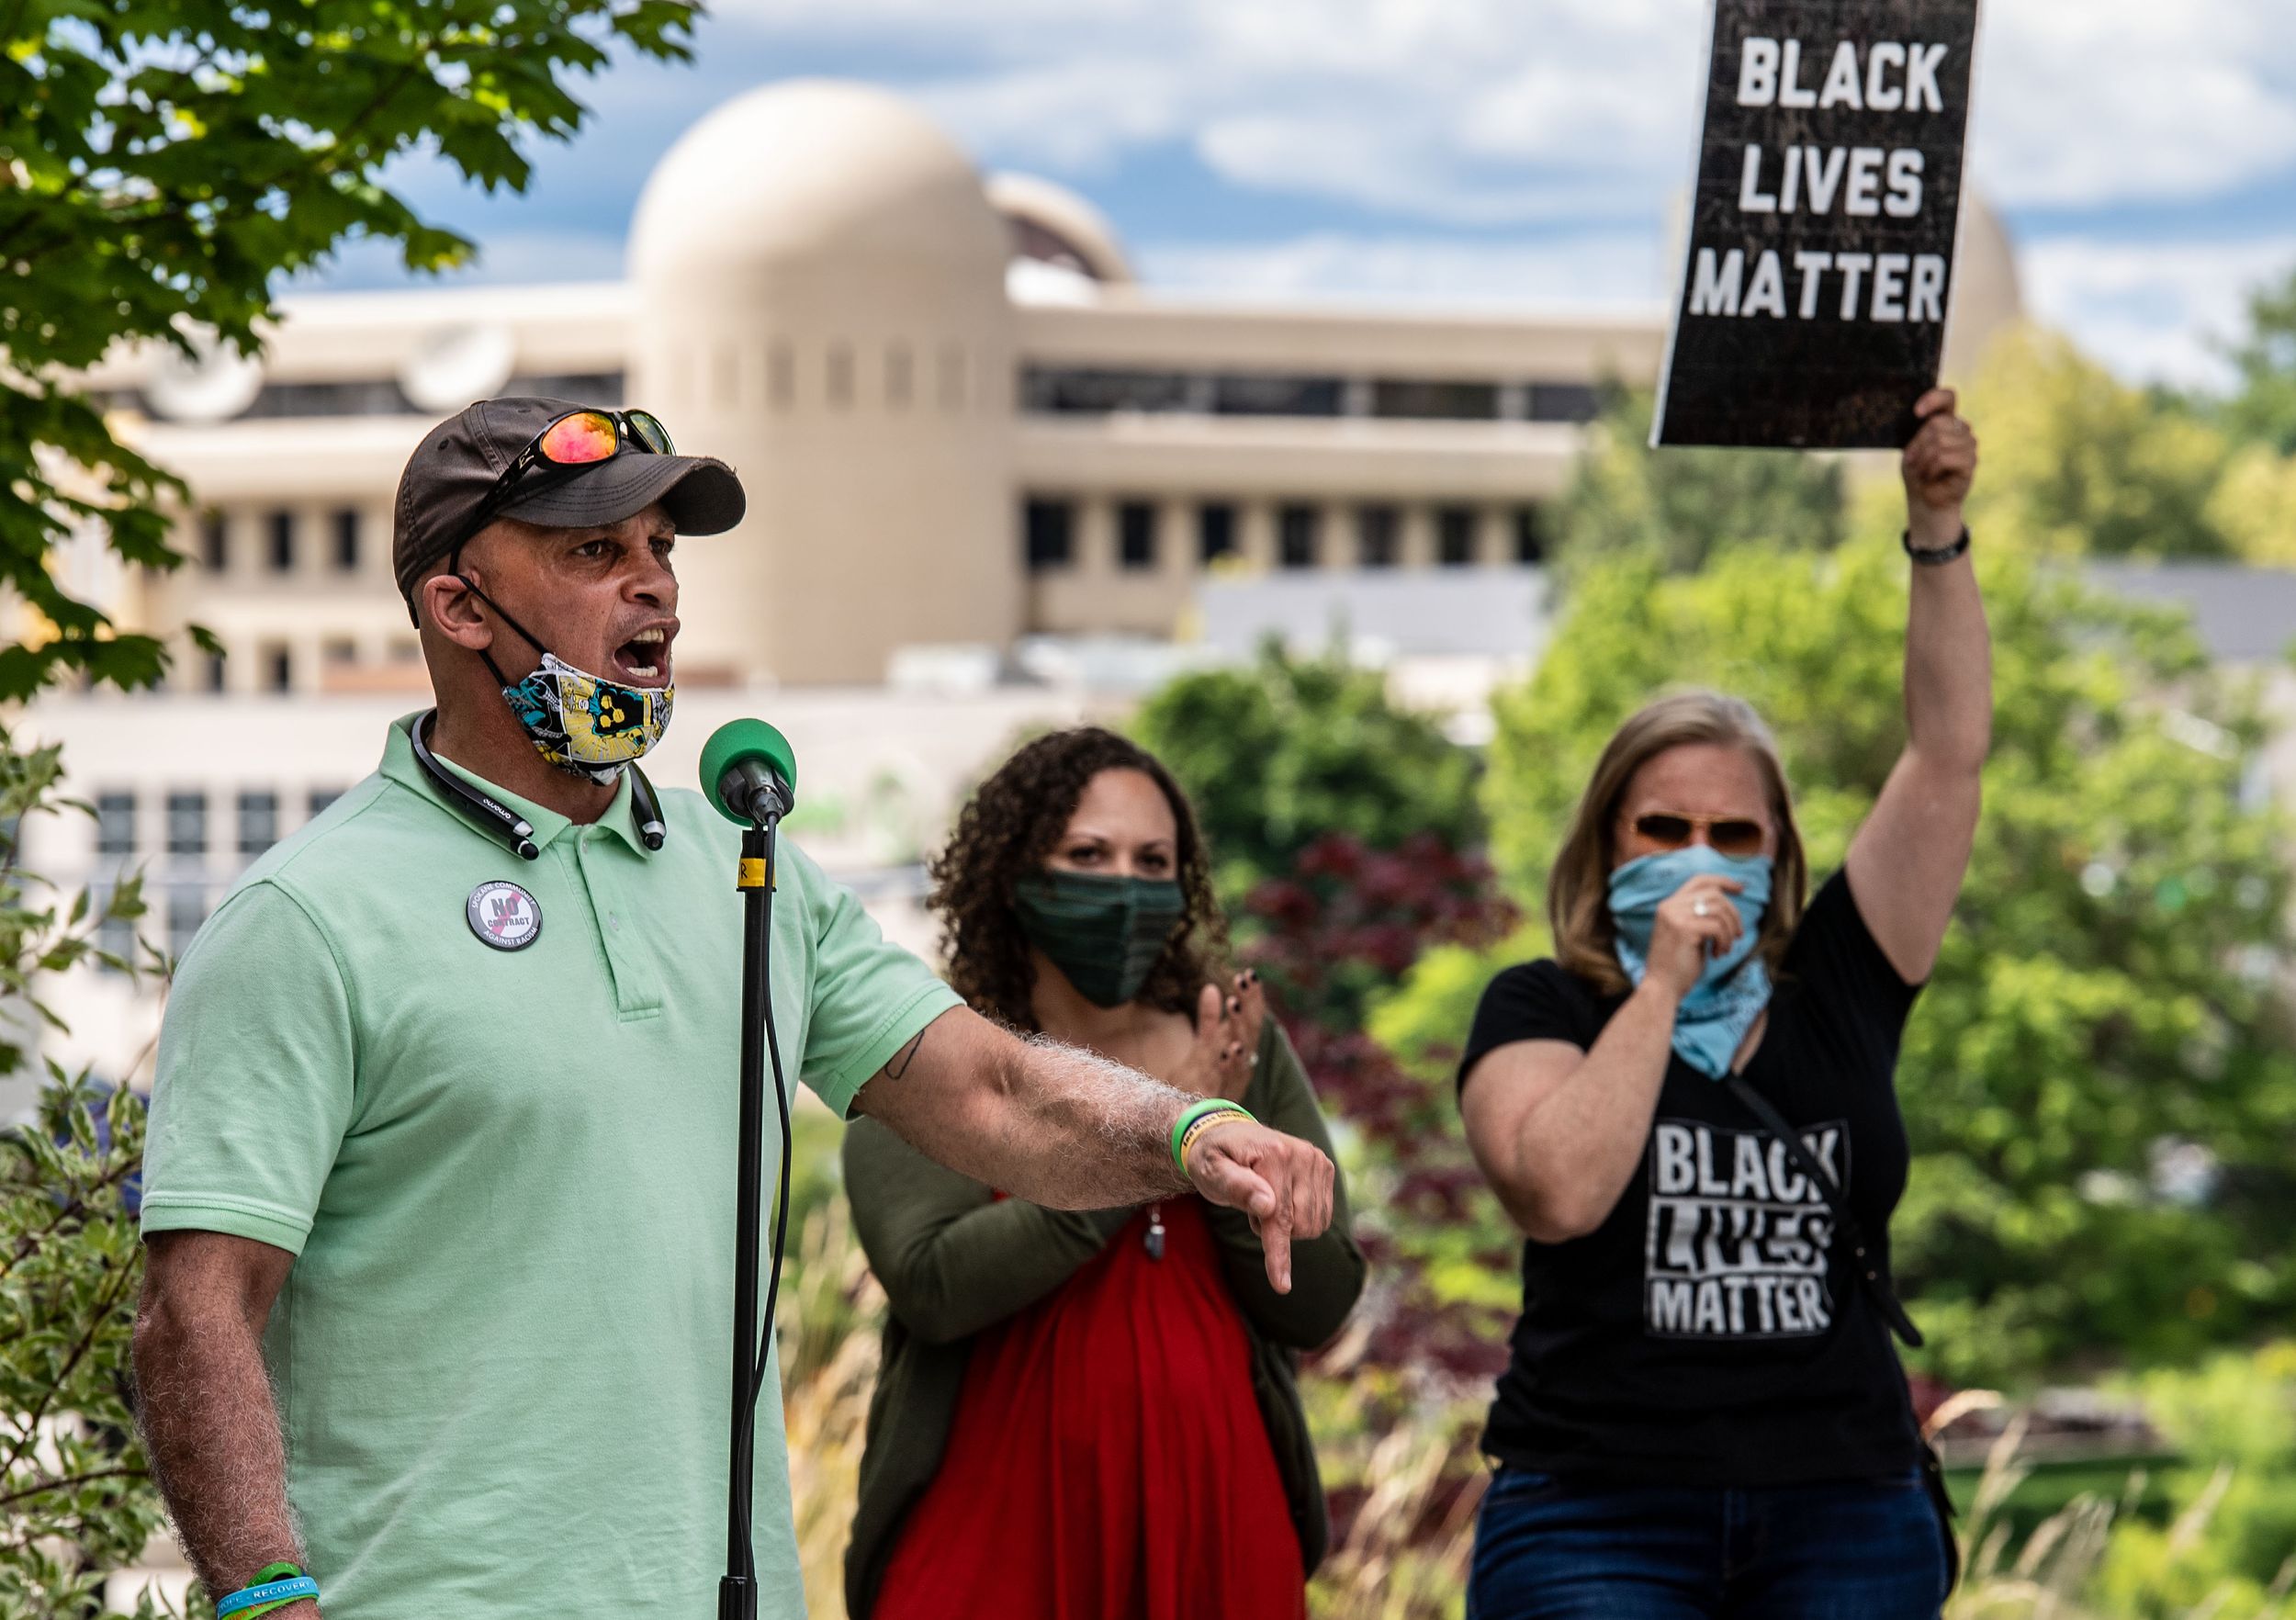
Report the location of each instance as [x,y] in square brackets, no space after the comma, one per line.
[503,915]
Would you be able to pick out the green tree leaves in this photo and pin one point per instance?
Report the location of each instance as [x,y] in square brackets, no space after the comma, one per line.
[165,164]
[1289,749]
[2104,1002]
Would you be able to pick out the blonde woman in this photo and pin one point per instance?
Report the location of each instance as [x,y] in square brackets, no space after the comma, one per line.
[1690,1112]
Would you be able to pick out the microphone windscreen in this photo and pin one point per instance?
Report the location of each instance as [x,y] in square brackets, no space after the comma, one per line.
[740,742]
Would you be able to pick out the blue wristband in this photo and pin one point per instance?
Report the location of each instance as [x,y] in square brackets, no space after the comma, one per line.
[270,1594]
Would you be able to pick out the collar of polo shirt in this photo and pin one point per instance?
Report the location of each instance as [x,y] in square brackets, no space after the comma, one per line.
[399,766]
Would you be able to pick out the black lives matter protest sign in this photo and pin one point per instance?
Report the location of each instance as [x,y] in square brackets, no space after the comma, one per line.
[1812,309]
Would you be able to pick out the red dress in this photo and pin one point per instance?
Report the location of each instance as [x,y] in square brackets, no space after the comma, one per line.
[1108,1460]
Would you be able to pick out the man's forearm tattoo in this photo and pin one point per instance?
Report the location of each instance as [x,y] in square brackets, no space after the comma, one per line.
[899,1064]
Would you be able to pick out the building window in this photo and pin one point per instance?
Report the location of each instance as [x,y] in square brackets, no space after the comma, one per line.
[187,822]
[338,651]
[215,542]
[278,668]
[1449,402]
[952,376]
[1530,535]
[215,671]
[1049,534]
[1455,536]
[282,527]
[1136,535]
[1275,394]
[1565,402]
[1377,528]
[258,820]
[781,374]
[347,540]
[1090,392]
[315,803]
[116,823]
[1215,531]
[900,375]
[1297,535]
[186,909]
[840,375]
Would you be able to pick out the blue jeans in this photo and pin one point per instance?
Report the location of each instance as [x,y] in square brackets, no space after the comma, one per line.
[1552,1550]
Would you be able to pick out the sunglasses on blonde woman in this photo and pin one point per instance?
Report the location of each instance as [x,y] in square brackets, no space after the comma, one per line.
[1731,835]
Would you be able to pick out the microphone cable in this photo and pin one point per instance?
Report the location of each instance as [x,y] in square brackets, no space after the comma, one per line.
[747,1417]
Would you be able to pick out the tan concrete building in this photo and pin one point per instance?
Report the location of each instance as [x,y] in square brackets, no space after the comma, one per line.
[959,417]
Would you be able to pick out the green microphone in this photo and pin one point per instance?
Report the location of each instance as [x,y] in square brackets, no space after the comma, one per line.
[749,771]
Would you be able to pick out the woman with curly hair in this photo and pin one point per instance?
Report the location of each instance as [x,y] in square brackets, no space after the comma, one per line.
[1091,1416]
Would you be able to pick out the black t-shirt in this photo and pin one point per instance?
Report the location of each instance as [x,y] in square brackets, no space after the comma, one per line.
[1710,1332]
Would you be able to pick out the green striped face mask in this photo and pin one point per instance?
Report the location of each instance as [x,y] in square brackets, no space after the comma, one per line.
[1105,933]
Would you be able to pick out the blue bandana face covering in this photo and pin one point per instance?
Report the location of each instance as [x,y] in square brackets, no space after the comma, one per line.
[1732,991]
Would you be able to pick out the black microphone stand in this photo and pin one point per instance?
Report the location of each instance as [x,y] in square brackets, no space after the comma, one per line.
[738,1593]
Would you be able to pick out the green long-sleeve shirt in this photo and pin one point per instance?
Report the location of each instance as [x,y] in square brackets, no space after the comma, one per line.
[953,1260]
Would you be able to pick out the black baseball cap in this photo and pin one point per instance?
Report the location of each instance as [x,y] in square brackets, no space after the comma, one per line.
[455,466]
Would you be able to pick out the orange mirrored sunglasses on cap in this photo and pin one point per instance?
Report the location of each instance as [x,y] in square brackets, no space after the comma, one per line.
[1731,834]
[576,439]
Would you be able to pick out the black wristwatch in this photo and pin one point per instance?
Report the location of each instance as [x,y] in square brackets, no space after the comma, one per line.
[1943,554]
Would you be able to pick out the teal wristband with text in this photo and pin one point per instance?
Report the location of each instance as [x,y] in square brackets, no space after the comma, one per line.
[274,1587]
[1195,1111]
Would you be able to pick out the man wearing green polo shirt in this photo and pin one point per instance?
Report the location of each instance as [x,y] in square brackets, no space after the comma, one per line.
[441,1166]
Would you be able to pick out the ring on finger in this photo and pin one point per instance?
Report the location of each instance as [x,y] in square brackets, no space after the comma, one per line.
[1699,908]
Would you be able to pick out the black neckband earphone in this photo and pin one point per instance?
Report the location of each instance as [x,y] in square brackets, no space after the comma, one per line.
[506,824]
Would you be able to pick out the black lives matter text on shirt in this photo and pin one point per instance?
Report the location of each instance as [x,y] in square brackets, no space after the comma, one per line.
[1820,259]
[1739,1242]
[1711,1330]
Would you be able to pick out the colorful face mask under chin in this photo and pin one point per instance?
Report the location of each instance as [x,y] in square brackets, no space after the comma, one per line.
[584,722]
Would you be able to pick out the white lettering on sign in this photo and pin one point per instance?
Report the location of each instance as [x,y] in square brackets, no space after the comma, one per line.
[1751,199]
[1889,288]
[1757,72]
[1880,94]
[1897,77]
[1765,295]
[1905,183]
[1714,285]
[1928,302]
[1792,92]
[1841,80]
[1812,175]
[1865,200]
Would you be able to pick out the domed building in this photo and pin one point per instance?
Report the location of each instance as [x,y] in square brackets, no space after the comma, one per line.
[820,283]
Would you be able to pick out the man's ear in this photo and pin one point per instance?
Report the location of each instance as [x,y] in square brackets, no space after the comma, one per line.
[449,606]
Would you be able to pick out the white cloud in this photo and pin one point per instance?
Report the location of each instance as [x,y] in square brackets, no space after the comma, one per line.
[2086,102]
[1498,111]
[1608,270]
[2154,313]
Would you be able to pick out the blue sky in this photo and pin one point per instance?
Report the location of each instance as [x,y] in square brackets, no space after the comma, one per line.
[1475,154]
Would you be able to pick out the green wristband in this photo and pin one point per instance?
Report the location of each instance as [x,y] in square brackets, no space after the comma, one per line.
[1195,1111]
[269,1573]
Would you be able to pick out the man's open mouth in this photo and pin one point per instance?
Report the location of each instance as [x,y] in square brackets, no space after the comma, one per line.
[644,659]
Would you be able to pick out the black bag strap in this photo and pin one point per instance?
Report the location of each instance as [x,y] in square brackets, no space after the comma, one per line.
[1877,1287]
[1863,1258]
